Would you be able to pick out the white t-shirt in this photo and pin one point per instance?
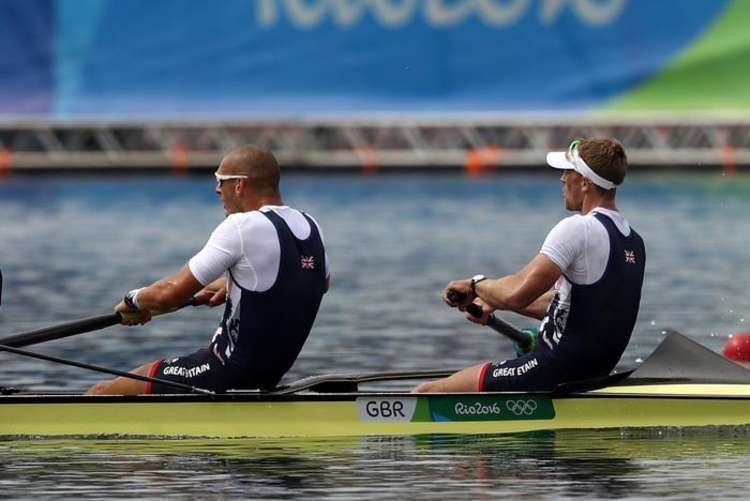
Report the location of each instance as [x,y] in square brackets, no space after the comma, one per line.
[579,245]
[247,244]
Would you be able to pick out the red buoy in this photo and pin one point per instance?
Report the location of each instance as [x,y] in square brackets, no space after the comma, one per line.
[737,347]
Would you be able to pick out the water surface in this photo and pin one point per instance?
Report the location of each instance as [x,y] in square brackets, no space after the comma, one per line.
[71,247]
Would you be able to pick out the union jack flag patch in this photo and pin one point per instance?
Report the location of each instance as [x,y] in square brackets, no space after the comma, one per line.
[308,262]
[630,257]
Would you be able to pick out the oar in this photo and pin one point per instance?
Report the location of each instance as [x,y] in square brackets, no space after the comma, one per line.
[105,370]
[524,339]
[68,329]
[61,330]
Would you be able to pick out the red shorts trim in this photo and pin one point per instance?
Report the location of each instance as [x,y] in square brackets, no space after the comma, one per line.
[480,383]
[151,372]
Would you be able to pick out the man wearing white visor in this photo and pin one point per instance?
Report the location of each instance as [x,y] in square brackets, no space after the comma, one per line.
[584,285]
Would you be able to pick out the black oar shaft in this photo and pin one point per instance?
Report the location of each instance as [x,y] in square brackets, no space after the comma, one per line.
[61,331]
[499,325]
[105,370]
[70,329]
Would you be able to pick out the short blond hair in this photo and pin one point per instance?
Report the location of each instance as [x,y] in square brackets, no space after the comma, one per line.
[606,157]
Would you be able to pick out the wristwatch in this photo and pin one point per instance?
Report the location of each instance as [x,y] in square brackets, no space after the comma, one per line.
[131,299]
[474,281]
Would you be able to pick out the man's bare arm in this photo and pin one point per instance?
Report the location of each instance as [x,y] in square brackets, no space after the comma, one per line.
[169,292]
[526,292]
[538,309]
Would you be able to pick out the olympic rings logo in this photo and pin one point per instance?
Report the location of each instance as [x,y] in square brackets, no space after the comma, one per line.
[521,407]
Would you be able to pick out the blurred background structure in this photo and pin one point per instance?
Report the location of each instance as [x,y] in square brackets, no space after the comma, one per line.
[107,84]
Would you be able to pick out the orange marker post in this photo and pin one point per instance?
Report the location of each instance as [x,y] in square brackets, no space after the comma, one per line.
[369,160]
[179,158]
[729,157]
[6,161]
[481,160]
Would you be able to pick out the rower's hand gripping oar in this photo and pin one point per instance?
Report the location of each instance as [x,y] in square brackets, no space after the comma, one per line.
[70,329]
[524,340]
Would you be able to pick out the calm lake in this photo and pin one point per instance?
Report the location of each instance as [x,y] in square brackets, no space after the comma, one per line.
[71,247]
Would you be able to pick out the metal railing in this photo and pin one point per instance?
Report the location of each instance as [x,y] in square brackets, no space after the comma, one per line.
[389,142]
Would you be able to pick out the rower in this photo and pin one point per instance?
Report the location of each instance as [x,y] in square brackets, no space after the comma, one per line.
[266,260]
[585,284]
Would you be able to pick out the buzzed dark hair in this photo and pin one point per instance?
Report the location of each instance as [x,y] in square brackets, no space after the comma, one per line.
[606,157]
[260,167]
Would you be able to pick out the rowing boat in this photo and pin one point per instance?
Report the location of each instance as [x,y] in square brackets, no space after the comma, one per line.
[681,384]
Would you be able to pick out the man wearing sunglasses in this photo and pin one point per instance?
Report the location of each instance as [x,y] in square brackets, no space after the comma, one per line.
[585,284]
[268,263]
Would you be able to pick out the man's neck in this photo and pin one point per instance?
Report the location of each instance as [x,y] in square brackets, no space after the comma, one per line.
[592,202]
[256,203]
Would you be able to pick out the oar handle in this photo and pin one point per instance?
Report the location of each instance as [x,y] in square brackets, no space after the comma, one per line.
[524,339]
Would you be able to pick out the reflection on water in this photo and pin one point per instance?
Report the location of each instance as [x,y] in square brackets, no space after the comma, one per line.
[69,248]
[630,463]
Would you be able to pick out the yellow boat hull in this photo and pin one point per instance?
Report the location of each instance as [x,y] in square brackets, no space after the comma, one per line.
[330,415]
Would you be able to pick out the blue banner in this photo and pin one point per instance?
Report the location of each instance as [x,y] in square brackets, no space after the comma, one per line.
[26,57]
[244,58]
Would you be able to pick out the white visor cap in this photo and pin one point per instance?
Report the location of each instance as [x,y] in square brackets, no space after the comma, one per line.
[557,160]
[571,160]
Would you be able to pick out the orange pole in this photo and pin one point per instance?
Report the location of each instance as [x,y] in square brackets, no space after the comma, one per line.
[6,161]
[480,160]
[729,156]
[179,158]
[369,159]
[473,164]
